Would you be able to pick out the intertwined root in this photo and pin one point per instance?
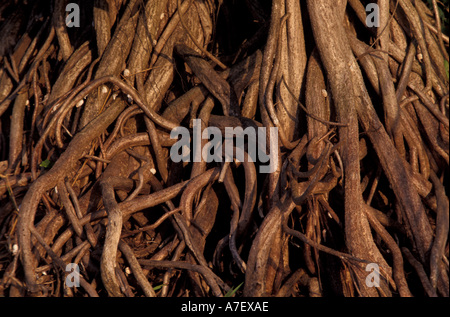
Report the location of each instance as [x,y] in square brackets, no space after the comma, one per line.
[355,206]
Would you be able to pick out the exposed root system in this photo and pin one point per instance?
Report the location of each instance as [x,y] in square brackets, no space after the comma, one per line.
[90,194]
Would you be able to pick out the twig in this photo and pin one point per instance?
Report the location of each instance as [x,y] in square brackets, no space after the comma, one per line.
[136,269]
[421,272]
[213,280]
